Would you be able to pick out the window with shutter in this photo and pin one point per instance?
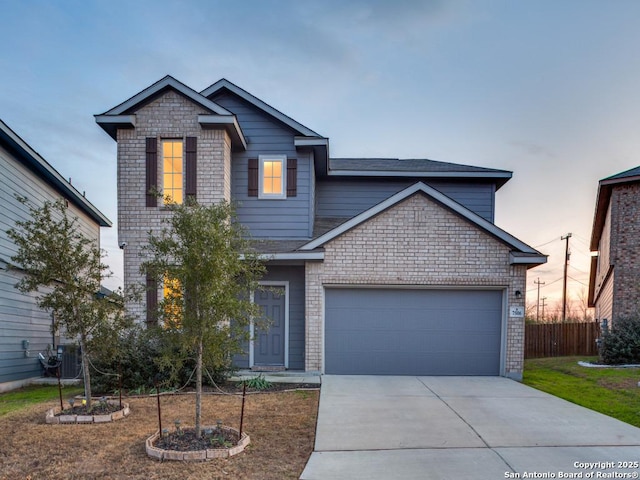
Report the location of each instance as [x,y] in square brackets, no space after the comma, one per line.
[152,301]
[191,179]
[151,172]
[272,176]
[253,177]
[172,171]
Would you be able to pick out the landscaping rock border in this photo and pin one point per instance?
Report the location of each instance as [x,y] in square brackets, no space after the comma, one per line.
[200,455]
[52,419]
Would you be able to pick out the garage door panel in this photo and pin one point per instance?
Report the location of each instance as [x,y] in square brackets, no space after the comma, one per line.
[412,332]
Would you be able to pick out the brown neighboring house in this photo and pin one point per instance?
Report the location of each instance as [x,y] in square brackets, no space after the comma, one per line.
[614,284]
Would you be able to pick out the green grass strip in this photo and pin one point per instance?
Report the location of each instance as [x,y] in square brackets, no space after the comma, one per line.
[612,391]
[23,397]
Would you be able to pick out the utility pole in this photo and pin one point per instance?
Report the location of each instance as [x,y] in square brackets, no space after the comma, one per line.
[543,305]
[564,284]
[538,283]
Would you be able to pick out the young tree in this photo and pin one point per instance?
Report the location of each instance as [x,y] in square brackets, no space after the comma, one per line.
[65,268]
[204,260]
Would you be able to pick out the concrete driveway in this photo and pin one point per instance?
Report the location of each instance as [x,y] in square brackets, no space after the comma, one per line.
[377,427]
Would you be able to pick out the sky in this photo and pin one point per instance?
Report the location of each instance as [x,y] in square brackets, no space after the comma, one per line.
[547,89]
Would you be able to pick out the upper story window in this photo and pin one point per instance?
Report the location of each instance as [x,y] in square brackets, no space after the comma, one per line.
[172,171]
[272,177]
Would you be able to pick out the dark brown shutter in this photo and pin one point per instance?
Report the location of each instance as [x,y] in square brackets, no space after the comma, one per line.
[292,177]
[152,300]
[152,172]
[191,166]
[253,177]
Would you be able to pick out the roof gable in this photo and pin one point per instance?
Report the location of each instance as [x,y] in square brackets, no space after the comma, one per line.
[605,186]
[224,84]
[25,154]
[523,253]
[167,82]
[122,116]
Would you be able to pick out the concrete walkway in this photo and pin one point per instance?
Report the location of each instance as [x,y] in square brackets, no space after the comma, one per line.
[377,427]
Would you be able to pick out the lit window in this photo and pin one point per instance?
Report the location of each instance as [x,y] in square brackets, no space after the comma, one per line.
[172,302]
[271,175]
[172,171]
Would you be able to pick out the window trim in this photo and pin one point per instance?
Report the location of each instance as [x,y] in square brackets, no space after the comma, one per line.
[164,141]
[283,175]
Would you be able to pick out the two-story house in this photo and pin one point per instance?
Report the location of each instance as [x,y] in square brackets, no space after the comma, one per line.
[25,329]
[614,282]
[377,265]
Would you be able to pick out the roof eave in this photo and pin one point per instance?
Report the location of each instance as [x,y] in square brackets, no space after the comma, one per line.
[230,124]
[320,148]
[111,123]
[51,175]
[529,260]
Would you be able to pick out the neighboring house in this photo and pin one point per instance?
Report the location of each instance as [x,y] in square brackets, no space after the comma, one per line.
[377,266]
[614,283]
[25,330]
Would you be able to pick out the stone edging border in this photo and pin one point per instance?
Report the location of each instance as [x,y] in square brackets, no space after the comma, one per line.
[208,454]
[70,419]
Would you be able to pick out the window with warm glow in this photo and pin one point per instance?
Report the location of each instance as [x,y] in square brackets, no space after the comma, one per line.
[172,302]
[271,173]
[172,173]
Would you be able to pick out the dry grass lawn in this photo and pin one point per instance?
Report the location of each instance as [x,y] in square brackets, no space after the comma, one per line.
[281,426]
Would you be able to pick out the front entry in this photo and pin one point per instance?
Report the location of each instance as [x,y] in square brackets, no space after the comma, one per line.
[269,344]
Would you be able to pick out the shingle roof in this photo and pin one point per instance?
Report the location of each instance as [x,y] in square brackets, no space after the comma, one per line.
[633,172]
[405,165]
[415,168]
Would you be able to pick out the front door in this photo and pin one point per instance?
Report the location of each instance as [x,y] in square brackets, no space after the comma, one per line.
[269,343]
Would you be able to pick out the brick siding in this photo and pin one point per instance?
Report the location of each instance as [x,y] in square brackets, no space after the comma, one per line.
[625,249]
[417,242]
[170,115]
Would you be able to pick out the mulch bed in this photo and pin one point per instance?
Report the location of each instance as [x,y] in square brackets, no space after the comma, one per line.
[185,440]
[97,408]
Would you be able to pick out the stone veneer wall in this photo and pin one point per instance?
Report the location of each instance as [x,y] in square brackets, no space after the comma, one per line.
[625,249]
[417,242]
[169,116]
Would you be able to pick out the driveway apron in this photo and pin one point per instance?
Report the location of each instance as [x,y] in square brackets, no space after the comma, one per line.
[384,427]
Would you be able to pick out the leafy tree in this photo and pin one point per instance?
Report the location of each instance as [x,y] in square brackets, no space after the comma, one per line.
[204,260]
[65,268]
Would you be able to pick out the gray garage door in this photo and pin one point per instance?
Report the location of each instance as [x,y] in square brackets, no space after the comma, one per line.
[374,331]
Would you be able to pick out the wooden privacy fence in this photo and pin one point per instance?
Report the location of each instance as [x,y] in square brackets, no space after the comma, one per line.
[560,339]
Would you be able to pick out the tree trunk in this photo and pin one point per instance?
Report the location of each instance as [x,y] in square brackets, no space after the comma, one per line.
[85,371]
[199,390]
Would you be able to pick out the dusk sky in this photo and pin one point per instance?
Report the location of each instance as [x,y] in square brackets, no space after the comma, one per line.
[547,89]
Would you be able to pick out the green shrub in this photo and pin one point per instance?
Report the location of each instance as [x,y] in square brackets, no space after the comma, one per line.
[621,344]
[136,356]
[133,356]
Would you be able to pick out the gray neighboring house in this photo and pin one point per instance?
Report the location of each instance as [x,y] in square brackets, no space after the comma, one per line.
[25,330]
[614,282]
[377,265]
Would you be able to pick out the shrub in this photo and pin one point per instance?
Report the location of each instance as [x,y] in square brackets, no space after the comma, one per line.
[133,357]
[621,344]
[136,355]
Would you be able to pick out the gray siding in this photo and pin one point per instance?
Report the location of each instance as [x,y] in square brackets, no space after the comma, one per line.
[347,198]
[290,218]
[20,318]
[295,276]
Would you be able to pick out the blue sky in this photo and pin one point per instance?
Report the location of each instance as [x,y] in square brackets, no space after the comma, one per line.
[547,89]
